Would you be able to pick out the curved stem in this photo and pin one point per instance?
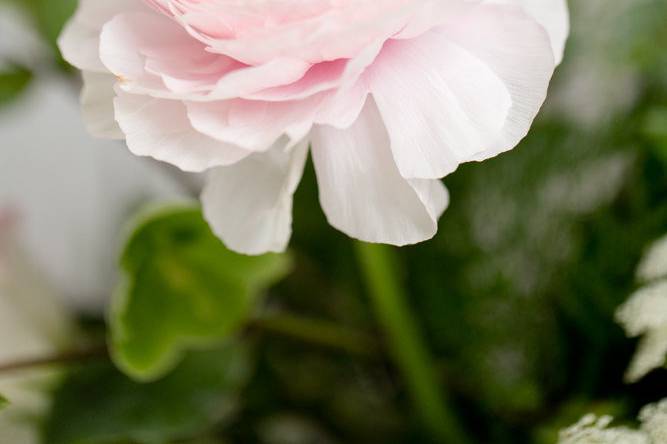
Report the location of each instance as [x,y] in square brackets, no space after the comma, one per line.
[405,342]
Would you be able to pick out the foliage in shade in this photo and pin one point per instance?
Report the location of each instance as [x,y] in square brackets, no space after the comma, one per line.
[655,130]
[181,289]
[3,402]
[99,404]
[13,81]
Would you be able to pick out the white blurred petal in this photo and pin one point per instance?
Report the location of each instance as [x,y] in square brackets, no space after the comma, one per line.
[654,263]
[97,105]
[32,324]
[645,313]
[19,43]
[71,192]
[654,421]
[645,310]
[593,430]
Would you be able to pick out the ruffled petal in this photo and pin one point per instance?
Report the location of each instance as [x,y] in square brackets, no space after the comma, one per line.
[152,54]
[249,205]
[555,17]
[254,125]
[160,128]
[80,40]
[441,104]
[361,190]
[314,31]
[517,49]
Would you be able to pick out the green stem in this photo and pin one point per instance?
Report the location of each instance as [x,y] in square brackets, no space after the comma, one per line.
[405,342]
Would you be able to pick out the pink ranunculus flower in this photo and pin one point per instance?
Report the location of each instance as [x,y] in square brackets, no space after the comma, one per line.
[389,95]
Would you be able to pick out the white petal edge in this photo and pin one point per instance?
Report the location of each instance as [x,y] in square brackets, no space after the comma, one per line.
[441,104]
[249,205]
[80,40]
[518,50]
[361,190]
[160,129]
[554,15]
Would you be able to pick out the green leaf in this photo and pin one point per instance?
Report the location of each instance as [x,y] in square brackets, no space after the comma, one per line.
[3,402]
[654,128]
[97,404]
[13,81]
[182,289]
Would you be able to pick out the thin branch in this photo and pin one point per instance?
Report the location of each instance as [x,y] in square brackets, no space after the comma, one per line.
[312,331]
[65,358]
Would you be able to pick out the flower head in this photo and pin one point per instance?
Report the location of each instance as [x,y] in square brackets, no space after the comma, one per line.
[391,96]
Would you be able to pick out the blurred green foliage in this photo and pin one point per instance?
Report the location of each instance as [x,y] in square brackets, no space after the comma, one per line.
[655,130]
[175,266]
[13,81]
[516,293]
[98,404]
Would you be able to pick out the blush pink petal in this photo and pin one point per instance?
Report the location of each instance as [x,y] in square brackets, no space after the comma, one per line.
[249,205]
[553,15]
[160,128]
[314,31]
[361,190]
[253,125]
[487,82]
[153,55]
[337,74]
[435,126]
[392,95]
[80,40]
[516,48]
[256,125]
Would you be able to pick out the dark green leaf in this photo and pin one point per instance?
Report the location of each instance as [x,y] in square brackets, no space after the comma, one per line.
[182,288]
[13,81]
[3,402]
[655,129]
[98,404]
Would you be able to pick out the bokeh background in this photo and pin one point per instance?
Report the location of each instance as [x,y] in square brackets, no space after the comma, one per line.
[515,297]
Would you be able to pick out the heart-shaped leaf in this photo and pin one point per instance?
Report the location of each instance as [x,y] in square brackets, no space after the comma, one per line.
[182,289]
